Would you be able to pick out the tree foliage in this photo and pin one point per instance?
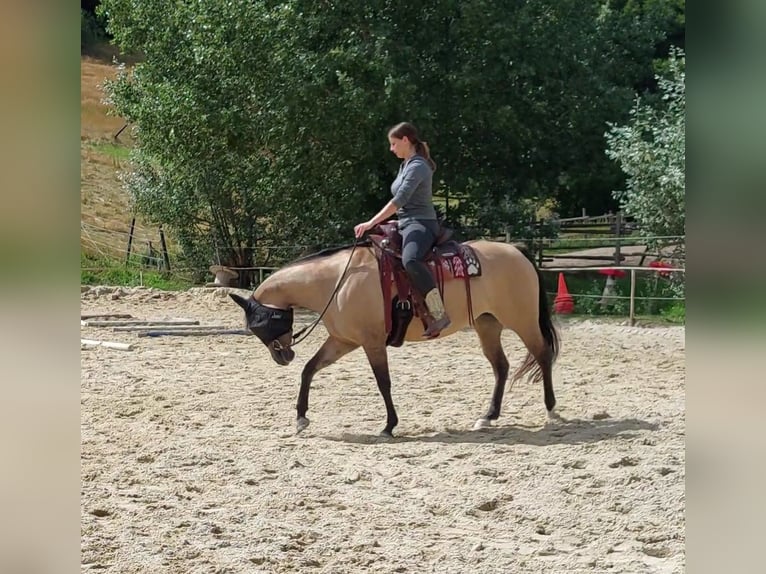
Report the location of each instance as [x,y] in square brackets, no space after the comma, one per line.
[650,149]
[92,25]
[263,123]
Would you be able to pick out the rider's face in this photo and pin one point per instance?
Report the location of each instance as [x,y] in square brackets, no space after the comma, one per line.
[400,147]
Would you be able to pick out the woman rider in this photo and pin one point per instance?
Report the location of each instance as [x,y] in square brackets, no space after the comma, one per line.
[413,203]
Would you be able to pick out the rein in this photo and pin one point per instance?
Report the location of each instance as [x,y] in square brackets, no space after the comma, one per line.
[297,338]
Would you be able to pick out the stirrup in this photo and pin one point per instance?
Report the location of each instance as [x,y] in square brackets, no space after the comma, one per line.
[435,328]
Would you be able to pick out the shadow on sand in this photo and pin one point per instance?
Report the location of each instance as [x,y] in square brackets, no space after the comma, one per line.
[562,431]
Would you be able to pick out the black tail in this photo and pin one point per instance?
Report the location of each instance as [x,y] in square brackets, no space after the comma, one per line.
[547,328]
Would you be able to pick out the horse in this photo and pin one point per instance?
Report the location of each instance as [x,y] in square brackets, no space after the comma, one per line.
[344,284]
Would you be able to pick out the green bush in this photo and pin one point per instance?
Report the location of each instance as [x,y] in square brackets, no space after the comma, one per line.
[587,287]
[651,150]
[675,314]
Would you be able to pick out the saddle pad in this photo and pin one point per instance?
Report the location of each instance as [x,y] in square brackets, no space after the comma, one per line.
[452,260]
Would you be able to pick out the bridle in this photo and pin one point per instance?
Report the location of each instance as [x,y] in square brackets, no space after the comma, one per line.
[299,337]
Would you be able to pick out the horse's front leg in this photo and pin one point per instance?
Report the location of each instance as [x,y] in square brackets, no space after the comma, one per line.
[330,351]
[378,357]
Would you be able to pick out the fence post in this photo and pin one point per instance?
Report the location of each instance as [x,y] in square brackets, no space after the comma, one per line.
[165,255]
[632,297]
[130,241]
[618,232]
[117,135]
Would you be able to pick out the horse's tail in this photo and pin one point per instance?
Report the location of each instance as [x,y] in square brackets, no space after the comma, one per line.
[531,364]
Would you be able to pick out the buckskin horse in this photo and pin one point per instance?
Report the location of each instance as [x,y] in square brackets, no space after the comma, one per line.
[347,286]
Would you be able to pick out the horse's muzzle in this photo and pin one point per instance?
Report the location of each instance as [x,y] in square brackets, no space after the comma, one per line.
[281,354]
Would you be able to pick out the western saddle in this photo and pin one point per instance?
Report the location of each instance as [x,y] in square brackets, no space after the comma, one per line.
[447,259]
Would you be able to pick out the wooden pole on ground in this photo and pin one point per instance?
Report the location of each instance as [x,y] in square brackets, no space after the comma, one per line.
[106,315]
[190,333]
[137,322]
[130,328]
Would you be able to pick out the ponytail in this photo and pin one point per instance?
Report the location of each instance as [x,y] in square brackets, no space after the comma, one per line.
[422,148]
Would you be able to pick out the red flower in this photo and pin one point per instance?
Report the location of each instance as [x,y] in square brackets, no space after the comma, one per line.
[661,265]
[612,272]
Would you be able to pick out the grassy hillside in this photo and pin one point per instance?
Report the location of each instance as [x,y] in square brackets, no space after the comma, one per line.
[105,210]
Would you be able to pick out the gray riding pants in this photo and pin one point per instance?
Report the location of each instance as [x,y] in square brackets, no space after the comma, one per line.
[418,237]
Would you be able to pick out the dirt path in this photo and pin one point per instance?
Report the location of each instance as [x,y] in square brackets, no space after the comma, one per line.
[190,464]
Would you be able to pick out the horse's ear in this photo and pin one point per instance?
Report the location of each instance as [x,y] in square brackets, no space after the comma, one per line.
[241,301]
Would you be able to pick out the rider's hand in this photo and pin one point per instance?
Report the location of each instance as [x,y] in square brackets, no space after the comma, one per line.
[360,228]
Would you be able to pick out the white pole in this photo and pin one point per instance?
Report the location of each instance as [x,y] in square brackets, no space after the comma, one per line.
[632,297]
[88,343]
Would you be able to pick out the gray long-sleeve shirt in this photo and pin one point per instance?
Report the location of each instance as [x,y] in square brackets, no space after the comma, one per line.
[412,190]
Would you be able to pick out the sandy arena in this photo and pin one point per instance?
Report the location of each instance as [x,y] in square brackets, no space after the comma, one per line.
[190,462]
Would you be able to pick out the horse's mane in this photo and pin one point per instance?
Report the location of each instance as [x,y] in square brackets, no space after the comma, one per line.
[328,251]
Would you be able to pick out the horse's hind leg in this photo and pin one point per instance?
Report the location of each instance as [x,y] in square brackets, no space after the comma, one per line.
[330,351]
[489,329]
[539,365]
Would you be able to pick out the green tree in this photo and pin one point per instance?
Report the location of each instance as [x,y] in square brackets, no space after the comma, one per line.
[263,123]
[650,149]
[92,30]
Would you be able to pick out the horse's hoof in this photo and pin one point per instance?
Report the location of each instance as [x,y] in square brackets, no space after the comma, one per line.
[482,423]
[385,433]
[553,417]
[301,424]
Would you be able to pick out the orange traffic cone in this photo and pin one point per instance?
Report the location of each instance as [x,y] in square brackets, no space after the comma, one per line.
[563,303]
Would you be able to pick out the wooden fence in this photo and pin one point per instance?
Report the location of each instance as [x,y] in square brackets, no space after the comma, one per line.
[610,233]
[552,242]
